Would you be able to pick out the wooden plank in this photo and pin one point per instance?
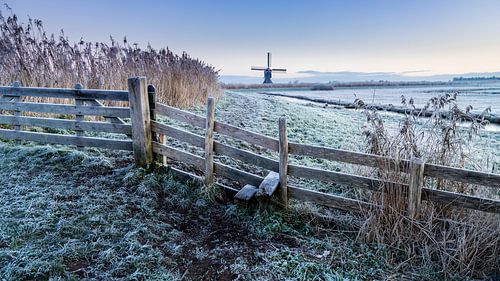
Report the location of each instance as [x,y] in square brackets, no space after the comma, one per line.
[462,175]
[297,193]
[141,122]
[461,200]
[117,95]
[186,176]
[320,198]
[79,117]
[67,124]
[7,98]
[283,163]
[180,115]
[209,142]
[185,136]
[431,170]
[329,200]
[219,148]
[66,139]
[334,177]
[66,109]
[237,175]
[247,136]
[114,120]
[346,156]
[246,156]
[269,185]
[225,129]
[179,155]
[246,194]
[416,183]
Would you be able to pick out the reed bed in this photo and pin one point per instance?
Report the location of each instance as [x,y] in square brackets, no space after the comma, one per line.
[461,242]
[36,58]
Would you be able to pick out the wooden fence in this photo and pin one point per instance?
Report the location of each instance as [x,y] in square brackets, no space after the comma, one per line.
[148,132]
[86,103]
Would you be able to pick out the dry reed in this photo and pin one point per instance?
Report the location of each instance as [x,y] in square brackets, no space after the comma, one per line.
[443,241]
[38,59]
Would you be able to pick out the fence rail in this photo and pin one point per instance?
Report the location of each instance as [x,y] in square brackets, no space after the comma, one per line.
[66,139]
[148,138]
[64,93]
[86,104]
[357,158]
[67,124]
[66,109]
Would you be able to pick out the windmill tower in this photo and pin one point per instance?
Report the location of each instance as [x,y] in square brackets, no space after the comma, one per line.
[268,70]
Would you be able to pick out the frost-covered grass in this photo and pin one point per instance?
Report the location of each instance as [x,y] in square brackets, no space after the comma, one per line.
[67,214]
[71,214]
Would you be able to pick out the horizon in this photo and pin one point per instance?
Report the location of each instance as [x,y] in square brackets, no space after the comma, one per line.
[316,41]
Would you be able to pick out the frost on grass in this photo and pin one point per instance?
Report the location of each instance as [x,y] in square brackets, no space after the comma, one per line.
[67,214]
[70,214]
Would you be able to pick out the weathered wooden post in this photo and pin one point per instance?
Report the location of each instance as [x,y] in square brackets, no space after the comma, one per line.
[416,183]
[283,163]
[152,115]
[140,118]
[209,142]
[78,117]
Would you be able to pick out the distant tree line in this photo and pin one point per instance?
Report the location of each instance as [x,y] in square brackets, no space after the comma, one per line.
[492,78]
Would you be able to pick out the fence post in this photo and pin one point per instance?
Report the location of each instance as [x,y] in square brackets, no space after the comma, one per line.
[283,163]
[209,142]
[152,115]
[416,183]
[141,121]
[78,117]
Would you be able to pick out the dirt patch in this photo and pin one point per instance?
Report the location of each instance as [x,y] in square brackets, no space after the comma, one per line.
[211,243]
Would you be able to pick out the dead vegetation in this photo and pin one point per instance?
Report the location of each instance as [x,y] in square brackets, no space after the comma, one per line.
[38,59]
[462,242]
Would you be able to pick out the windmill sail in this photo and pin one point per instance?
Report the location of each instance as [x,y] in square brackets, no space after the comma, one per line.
[258,68]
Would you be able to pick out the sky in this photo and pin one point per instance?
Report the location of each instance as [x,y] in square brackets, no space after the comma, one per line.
[313,39]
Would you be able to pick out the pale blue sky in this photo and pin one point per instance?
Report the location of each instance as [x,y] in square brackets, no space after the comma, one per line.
[434,37]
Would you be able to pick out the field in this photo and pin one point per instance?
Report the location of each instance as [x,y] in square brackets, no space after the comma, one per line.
[478,95]
[92,214]
[343,128]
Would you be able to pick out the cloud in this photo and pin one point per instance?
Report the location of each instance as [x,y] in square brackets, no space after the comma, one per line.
[414,71]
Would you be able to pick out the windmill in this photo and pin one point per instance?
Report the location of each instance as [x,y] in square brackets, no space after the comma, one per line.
[268,70]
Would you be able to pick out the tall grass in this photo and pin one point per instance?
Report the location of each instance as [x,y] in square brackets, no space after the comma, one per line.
[443,240]
[36,58]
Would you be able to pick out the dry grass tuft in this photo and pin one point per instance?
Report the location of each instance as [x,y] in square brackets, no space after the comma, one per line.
[30,55]
[442,240]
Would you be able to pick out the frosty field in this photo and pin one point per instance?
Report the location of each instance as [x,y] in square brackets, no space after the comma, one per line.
[91,214]
[312,123]
[479,95]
